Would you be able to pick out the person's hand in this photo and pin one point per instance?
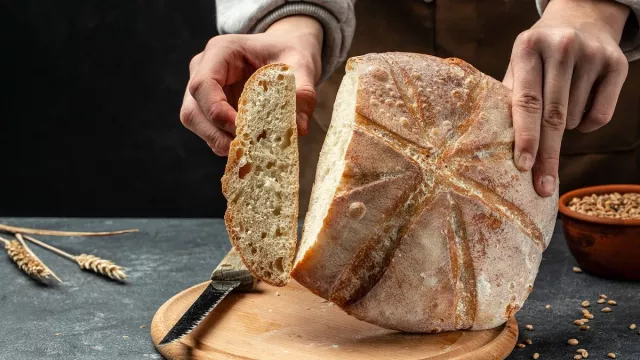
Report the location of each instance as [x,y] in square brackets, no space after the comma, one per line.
[217,76]
[566,72]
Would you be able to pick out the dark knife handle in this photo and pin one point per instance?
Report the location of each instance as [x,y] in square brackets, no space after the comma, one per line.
[231,268]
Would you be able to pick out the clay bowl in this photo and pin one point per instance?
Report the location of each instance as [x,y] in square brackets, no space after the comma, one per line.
[603,247]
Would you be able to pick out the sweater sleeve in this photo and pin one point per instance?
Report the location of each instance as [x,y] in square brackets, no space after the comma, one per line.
[630,41]
[254,16]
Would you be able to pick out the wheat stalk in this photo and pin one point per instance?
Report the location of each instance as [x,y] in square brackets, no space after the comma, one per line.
[86,261]
[21,230]
[27,261]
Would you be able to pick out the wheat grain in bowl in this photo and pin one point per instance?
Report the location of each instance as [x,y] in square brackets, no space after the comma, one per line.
[609,245]
[613,205]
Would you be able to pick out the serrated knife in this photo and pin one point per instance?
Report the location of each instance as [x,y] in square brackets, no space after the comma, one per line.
[230,275]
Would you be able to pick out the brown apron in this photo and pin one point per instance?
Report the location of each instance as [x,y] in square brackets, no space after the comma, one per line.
[481,32]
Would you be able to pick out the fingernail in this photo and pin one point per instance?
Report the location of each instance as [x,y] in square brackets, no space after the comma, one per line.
[303,123]
[548,184]
[525,161]
[303,119]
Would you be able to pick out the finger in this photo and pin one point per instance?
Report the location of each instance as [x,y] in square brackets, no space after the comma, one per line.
[220,65]
[526,66]
[559,60]
[194,119]
[194,64]
[580,93]
[305,105]
[217,110]
[212,101]
[306,98]
[606,95]
[582,84]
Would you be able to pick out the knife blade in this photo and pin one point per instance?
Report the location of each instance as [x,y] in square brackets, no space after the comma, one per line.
[230,275]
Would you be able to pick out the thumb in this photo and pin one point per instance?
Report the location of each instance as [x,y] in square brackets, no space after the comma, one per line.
[305,105]
[305,92]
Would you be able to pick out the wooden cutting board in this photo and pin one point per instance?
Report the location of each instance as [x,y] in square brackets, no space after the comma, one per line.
[292,323]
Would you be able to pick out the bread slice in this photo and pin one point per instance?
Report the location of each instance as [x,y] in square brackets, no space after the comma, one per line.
[419,220]
[261,180]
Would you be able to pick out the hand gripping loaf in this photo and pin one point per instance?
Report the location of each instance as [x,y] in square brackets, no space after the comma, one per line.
[419,220]
[260,181]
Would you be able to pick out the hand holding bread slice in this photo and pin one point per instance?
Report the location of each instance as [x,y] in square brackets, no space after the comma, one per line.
[261,177]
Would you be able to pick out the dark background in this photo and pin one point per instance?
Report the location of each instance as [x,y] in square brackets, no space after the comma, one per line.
[89,124]
[91,93]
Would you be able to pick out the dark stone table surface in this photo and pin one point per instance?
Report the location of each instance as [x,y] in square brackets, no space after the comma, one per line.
[89,317]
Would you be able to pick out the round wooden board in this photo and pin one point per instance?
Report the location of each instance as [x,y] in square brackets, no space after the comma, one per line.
[292,323]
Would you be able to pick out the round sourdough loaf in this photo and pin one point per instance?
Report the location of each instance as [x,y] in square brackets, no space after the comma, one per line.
[419,220]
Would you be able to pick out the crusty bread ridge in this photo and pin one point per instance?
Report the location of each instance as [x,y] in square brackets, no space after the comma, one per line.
[261,180]
[419,220]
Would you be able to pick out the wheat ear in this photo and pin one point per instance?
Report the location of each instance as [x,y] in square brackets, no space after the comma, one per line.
[27,262]
[21,230]
[87,262]
[33,255]
[101,266]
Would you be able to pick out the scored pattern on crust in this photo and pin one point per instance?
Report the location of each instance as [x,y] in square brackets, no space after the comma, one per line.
[415,106]
[371,261]
[440,162]
[364,271]
[462,267]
